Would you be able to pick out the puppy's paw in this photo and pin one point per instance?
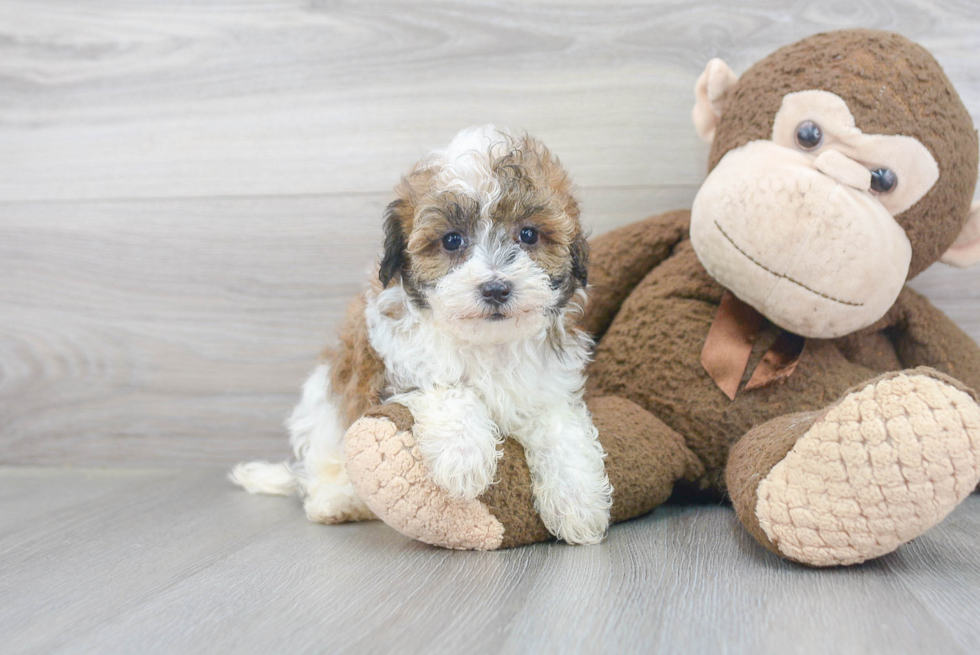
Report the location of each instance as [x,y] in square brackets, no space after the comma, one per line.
[577,516]
[457,439]
[571,489]
[333,508]
[463,466]
[331,498]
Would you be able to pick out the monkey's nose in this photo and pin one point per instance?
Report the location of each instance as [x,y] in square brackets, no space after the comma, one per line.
[495,292]
[843,169]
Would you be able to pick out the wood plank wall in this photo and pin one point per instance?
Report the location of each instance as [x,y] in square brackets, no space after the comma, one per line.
[190,191]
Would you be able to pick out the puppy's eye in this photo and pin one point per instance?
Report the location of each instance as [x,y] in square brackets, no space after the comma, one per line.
[529,236]
[452,241]
[883,180]
[808,135]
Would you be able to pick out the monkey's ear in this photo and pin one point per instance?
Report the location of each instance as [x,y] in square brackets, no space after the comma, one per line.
[965,251]
[395,243]
[580,259]
[711,95]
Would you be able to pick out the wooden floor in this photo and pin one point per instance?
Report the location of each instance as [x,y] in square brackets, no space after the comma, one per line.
[165,561]
[189,194]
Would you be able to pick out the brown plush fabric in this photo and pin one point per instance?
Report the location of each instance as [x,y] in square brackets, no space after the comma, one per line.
[924,336]
[892,86]
[511,502]
[509,499]
[397,414]
[645,459]
[620,259]
[651,355]
[751,460]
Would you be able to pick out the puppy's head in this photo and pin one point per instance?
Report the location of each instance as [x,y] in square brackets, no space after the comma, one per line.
[485,235]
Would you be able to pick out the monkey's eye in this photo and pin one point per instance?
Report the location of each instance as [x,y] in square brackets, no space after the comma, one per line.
[808,135]
[452,241]
[529,236]
[883,180]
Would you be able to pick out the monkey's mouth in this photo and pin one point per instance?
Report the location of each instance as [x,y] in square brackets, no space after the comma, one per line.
[783,276]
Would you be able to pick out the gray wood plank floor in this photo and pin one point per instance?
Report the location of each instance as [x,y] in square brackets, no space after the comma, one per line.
[165,561]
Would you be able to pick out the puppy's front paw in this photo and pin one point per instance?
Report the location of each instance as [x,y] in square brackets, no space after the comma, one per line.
[457,439]
[461,465]
[571,489]
[577,516]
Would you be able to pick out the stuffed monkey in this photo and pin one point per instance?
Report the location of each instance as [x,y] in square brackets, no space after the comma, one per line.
[763,346]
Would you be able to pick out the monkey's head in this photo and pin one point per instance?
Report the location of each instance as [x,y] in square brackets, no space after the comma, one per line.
[840,167]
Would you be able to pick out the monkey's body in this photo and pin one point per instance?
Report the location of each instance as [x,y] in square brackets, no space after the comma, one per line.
[649,351]
[663,421]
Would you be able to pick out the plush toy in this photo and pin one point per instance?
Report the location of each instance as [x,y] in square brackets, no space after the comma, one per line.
[764,345]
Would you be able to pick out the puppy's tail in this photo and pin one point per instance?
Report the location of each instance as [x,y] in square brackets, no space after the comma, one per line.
[266,478]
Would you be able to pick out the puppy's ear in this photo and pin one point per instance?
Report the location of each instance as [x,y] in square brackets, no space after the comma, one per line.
[580,259]
[393,258]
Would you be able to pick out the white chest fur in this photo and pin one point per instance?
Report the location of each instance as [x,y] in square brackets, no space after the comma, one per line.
[515,379]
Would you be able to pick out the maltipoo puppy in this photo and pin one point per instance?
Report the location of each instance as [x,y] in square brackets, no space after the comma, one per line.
[471,324]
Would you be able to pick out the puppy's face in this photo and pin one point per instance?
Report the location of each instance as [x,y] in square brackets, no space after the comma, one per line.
[486,236]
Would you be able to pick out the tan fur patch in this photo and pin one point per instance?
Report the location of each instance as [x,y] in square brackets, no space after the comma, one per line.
[437,214]
[539,194]
[534,191]
[356,371]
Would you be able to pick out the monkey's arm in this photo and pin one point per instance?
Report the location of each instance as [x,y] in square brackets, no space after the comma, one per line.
[924,336]
[618,260]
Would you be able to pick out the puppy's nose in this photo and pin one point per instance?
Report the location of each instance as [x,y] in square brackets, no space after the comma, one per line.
[495,292]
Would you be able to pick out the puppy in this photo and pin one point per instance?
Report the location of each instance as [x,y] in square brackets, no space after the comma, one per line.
[471,325]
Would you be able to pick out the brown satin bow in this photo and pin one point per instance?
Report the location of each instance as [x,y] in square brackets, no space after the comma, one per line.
[729,344]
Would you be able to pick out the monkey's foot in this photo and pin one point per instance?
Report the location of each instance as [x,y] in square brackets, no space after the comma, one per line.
[886,463]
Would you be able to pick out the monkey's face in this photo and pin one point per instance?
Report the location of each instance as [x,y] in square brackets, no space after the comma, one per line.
[802,226]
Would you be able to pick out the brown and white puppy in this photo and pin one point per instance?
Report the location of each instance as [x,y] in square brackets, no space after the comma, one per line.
[471,325]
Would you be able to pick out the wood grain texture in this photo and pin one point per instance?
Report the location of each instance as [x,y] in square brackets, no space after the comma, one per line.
[158,561]
[179,331]
[144,99]
[191,191]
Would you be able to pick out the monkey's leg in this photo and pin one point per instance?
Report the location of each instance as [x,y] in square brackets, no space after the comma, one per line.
[860,478]
[645,459]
